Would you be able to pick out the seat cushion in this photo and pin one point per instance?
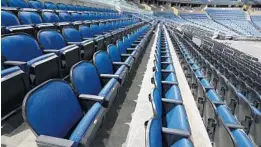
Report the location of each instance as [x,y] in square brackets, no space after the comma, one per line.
[85,123]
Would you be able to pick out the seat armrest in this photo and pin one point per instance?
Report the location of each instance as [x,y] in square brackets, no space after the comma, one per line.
[167,71]
[95,98]
[125,55]
[173,101]
[14,63]
[44,141]
[175,132]
[169,83]
[72,43]
[131,49]
[109,76]
[87,38]
[119,63]
[51,51]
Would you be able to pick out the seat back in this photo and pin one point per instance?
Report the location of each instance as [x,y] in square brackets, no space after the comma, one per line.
[4,4]
[76,17]
[50,5]
[95,29]
[153,133]
[65,17]
[114,53]
[71,34]
[71,7]
[157,81]
[15,85]
[61,6]
[8,19]
[51,39]
[27,17]
[52,109]
[85,16]
[20,47]
[50,17]
[156,103]
[103,62]
[85,78]
[122,47]
[36,4]
[17,3]
[86,31]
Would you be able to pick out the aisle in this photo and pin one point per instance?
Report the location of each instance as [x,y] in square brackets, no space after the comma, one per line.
[124,125]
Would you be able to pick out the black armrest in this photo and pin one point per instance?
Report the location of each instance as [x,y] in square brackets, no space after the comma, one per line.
[173,101]
[14,63]
[169,83]
[175,132]
[131,49]
[96,98]
[44,141]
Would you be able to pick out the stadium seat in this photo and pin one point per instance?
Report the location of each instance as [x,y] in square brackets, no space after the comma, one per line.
[123,49]
[52,17]
[61,6]
[34,19]
[54,113]
[15,84]
[116,56]
[73,36]
[105,66]
[35,4]
[87,81]
[23,50]
[53,42]
[4,4]
[11,24]
[71,7]
[17,3]
[158,136]
[50,5]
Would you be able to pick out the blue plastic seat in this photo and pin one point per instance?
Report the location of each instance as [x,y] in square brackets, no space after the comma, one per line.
[17,3]
[55,114]
[52,41]
[50,5]
[156,136]
[104,65]
[125,50]
[23,50]
[116,56]
[15,85]
[4,4]
[76,17]
[61,6]
[65,17]
[71,7]
[73,36]
[87,81]
[171,112]
[11,24]
[52,17]
[36,4]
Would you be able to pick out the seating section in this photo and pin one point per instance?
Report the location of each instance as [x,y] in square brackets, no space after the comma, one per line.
[169,127]
[234,19]
[256,19]
[202,20]
[90,53]
[225,108]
